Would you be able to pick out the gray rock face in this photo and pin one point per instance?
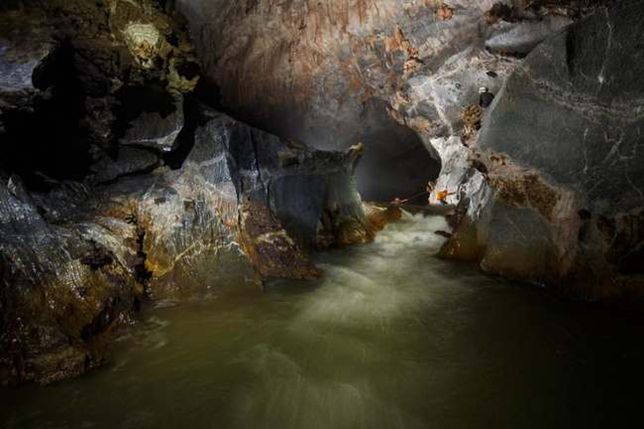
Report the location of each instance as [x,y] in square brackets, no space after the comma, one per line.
[561,150]
[458,178]
[521,38]
[575,110]
[299,184]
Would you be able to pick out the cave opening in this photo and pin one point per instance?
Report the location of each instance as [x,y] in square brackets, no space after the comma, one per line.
[396,163]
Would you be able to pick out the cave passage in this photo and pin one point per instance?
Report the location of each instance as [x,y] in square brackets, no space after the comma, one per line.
[389,338]
[395,164]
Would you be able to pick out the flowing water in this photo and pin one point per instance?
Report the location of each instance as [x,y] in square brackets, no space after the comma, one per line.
[391,337]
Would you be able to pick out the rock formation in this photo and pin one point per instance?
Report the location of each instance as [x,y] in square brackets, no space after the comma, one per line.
[549,193]
[567,204]
[142,192]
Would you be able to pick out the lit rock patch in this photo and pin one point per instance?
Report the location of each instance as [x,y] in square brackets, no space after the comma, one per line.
[143,41]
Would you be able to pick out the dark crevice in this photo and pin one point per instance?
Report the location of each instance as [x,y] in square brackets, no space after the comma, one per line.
[188,69]
[508,54]
[209,93]
[186,138]
[102,320]
[97,257]
[149,98]
[133,101]
[141,273]
[48,144]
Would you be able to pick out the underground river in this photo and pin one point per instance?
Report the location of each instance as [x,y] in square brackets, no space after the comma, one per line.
[391,337]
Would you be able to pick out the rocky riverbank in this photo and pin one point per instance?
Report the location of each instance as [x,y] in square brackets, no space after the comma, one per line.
[118,186]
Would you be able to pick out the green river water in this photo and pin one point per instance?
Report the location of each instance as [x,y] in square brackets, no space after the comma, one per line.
[391,337]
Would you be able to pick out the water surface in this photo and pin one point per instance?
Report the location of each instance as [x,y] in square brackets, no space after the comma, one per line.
[391,337]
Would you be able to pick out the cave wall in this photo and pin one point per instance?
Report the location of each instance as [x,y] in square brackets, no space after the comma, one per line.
[551,183]
[307,68]
[575,107]
[315,70]
[328,72]
[120,186]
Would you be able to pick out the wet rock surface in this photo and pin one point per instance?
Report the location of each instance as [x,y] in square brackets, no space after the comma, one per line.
[82,260]
[574,110]
[562,160]
[118,187]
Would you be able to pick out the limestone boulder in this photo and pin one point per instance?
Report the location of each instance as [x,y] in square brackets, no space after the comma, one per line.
[561,147]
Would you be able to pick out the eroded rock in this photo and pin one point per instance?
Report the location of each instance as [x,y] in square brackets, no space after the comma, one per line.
[56,306]
[314,72]
[561,151]
[243,206]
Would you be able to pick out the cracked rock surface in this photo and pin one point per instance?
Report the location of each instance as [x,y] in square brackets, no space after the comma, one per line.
[76,264]
[118,187]
[561,147]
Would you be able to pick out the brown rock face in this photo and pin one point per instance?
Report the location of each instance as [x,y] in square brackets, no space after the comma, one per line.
[269,247]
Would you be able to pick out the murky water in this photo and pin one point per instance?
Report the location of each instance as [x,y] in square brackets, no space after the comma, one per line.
[390,338]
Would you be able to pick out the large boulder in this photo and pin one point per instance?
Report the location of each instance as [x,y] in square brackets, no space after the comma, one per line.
[562,151]
[574,110]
